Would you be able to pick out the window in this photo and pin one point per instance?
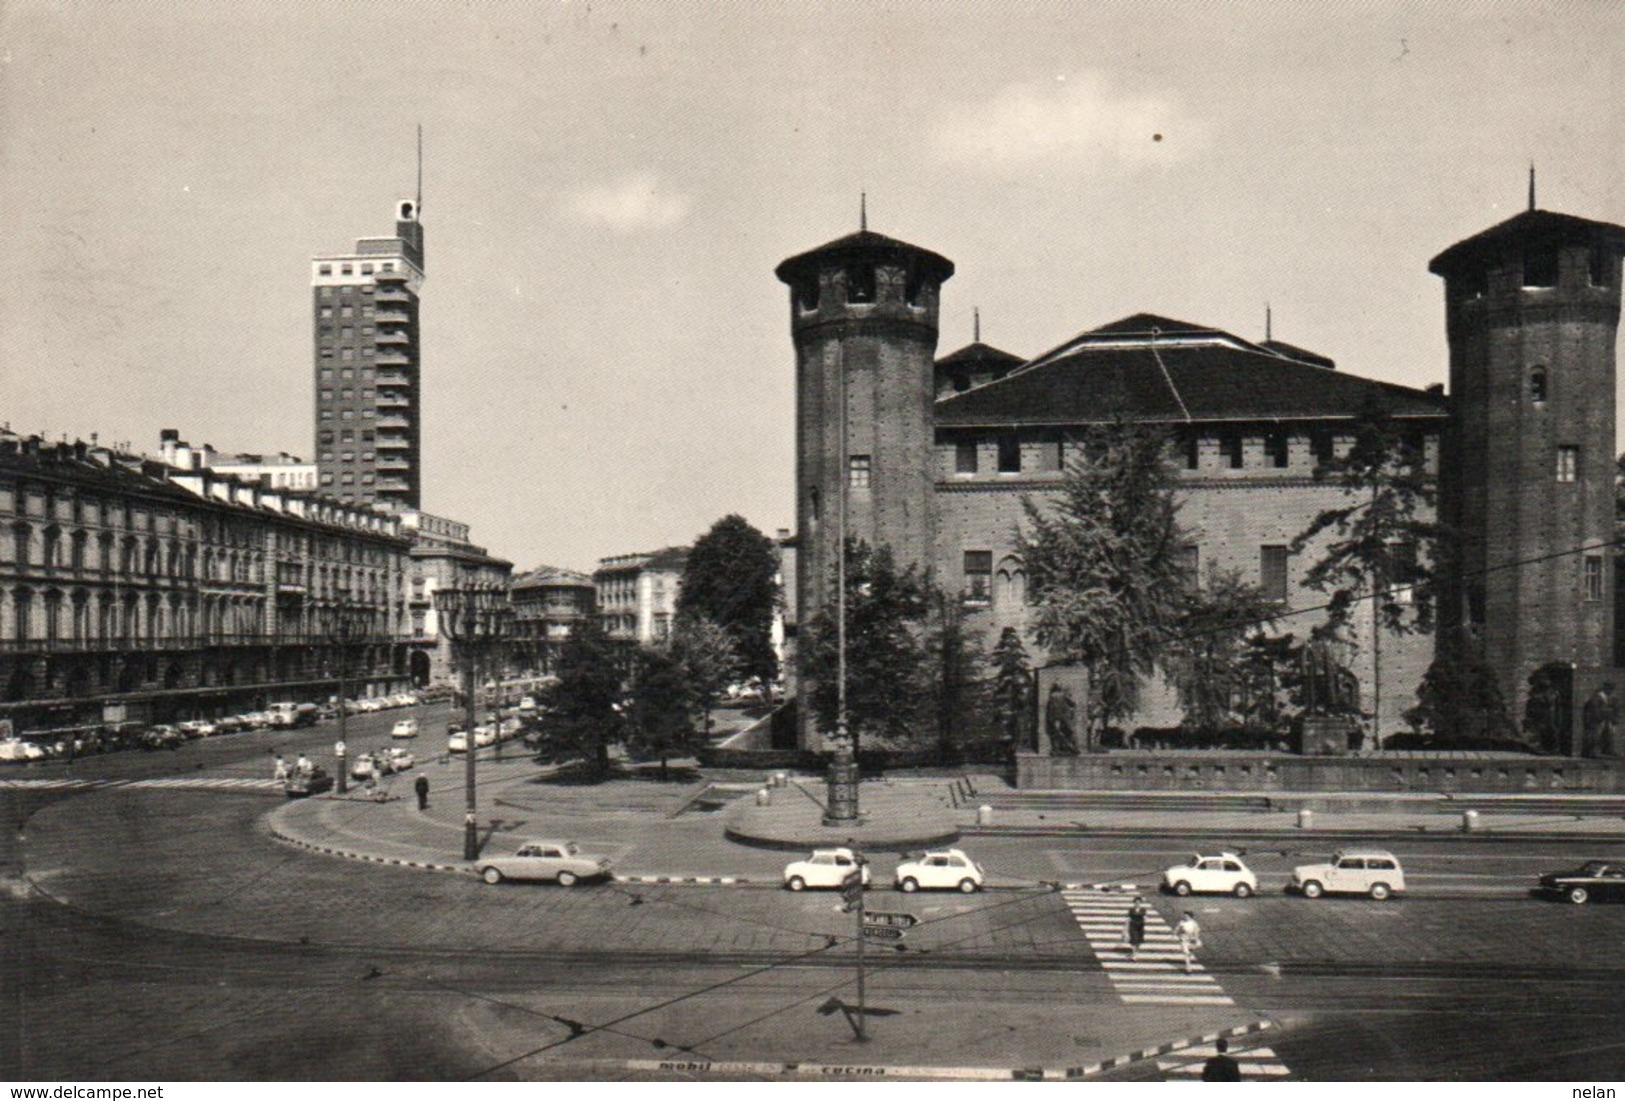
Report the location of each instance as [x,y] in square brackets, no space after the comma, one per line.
[857,472]
[366,269]
[326,414]
[1276,446]
[347,269]
[389,265]
[807,294]
[1537,384]
[961,382]
[1540,268]
[1325,445]
[327,292]
[347,435]
[1193,451]
[347,355]
[327,395]
[860,283]
[327,456]
[347,332]
[349,456]
[965,457]
[368,353]
[1568,462]
[327,353]
[978,577]
[1601,268]
[1235,450]
[327,479]
[327,437]
[1009,454]
[1272,572]
[324,269]
[1049,455]
[1593,577]
[327,311]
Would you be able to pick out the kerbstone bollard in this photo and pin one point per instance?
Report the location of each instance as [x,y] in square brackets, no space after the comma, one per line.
[1469,821]
[984,815]
[764,797]
[1306,819]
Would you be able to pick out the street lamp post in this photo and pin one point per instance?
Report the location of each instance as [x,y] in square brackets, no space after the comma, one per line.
[345,622]
[475,619]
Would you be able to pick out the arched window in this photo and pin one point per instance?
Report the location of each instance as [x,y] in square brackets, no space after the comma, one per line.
[860,283]
[1537,385]
[1010,586]
[51,547]
[21,537]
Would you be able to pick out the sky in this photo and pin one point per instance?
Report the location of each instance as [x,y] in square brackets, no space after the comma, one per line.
[607,187]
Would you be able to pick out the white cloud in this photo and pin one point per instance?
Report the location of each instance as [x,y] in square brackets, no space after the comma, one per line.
[1078,122]
[634,202]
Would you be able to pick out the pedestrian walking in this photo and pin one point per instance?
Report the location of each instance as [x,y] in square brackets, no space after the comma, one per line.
[422,788]
[1135,933]
[1190,937]
[374,776]
[279,770]
[1221,1067]
[302,765]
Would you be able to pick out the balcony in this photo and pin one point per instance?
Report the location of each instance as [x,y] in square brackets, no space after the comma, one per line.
[399,443]
[394,464]
[394,422]
[397,295]
[392,317]
[393,485]
[393,401]
[394,378]
[393,359]
[393,336]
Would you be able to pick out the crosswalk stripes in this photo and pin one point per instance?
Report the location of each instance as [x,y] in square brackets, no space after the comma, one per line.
[77,783]
[1259,1062]
[1156,974]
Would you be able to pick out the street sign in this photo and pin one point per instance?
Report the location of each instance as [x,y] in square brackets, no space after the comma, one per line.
[883,917]
[882,932]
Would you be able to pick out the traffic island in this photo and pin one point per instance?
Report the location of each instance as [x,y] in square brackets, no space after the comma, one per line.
[892,817]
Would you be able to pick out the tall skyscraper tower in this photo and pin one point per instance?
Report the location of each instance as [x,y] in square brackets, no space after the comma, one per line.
[368,425]
[1532,308]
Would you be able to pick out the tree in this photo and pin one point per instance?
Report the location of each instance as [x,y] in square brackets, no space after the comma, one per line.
[1212,662]
[1012,690]
[1459,702]
[958,660]
[732,579]
[1104,561]
[660,711]
[706,653]
[1384,542]
[582,719]
[889,669]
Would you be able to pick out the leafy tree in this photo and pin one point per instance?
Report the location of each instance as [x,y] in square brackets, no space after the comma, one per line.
[582,719]
[732,580]
[1459,702]
[706,653]
[1012,690]
[660,710]
[889,668]
[1383,540]
[1105,568]
[958,658]
[1212,661]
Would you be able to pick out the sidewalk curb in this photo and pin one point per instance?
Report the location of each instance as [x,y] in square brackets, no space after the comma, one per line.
[1255,834]
[346,854]
[913,1073]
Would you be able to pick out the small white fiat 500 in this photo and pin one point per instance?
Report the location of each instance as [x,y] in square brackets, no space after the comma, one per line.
[824,868]
[1222,874]
[945,869]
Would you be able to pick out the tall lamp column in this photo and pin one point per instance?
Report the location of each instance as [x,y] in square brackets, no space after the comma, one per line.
[474,619]
[344,625]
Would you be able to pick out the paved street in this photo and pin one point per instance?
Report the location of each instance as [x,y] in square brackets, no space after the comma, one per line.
[159,895]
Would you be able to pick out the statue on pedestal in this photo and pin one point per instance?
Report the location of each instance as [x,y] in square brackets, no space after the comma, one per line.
[1060,722]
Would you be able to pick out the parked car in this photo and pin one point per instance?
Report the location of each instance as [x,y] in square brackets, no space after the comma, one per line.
[162,736]
[824,868]
[1371,872]
[485,735]
[405,728]
[1222,874]
[1593,881]
[945,869]
[14,749]
[198,728]
[457,741]
[398,759]
[560,861]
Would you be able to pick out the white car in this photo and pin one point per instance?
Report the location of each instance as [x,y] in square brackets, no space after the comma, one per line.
[485,735]
[1222,874]
[396,759]
[14,749]
[824,868]
[458,742]
[1372,872]
[943,869]
[561,861]
[405,728]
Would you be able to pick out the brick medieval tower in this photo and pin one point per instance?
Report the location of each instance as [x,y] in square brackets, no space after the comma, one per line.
[1532,310]
[863,315]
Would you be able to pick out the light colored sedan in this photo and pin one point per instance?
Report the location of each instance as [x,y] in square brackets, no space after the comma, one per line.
[824,868]
[944,869]
[559,861]
[405,728]
[1223,874]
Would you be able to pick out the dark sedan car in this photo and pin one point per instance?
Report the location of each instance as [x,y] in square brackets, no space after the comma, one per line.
[1593,881]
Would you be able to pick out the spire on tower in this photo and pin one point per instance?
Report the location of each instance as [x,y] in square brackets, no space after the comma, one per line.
[976,323]
[420,170]
[863,210]
[1267,321]
[1531,185]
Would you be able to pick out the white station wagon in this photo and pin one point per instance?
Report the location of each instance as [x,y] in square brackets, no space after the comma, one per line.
[560,861]
[945,869]
[824,868]
[1371,872]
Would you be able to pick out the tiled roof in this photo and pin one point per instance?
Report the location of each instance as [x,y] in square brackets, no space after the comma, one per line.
[1201,374]
[865,245]
[1540,228]
[980,355]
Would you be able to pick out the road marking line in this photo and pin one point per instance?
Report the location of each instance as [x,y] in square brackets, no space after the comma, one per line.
[1175,999]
